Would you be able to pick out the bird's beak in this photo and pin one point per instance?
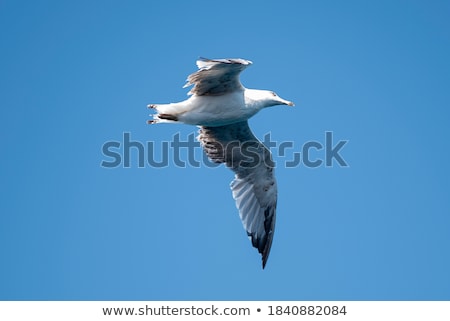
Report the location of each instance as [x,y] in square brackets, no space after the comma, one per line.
[286,102]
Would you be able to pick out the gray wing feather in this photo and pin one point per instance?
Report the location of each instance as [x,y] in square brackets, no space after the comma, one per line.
[254,187]
[216,76]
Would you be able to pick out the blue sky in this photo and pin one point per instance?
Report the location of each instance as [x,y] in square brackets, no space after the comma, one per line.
[75,75]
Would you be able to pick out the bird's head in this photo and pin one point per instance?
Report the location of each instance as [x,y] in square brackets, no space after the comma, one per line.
[266,98]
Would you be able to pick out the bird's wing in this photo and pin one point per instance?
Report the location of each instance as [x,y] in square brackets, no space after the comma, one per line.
[216,76]
[254,186]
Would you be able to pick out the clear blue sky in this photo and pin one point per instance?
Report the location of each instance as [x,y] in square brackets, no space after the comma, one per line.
[77,74]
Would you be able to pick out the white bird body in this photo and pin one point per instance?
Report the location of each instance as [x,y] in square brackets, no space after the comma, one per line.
[221,106]
[218,110]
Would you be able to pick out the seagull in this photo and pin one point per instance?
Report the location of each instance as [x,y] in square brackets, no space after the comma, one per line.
[221,106]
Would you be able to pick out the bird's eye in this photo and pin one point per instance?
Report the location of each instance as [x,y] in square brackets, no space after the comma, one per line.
[273,94]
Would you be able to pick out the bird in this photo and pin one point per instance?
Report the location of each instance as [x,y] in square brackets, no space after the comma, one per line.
[220,106]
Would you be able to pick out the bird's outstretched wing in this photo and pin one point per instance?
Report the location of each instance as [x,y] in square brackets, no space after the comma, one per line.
[216,76]
[254,186]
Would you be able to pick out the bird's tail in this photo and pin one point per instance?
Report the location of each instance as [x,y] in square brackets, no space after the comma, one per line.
[163,114]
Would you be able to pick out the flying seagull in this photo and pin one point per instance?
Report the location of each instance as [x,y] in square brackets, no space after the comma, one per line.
[221,106]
